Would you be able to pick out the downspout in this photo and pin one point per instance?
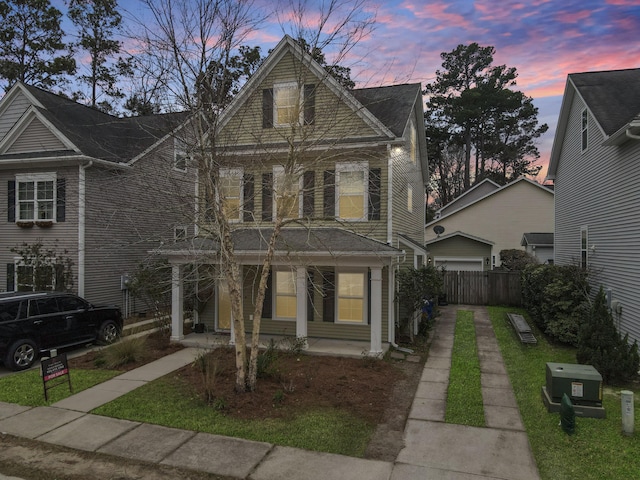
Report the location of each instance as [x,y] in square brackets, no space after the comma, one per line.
[389,196]
[81,225]
[631,135]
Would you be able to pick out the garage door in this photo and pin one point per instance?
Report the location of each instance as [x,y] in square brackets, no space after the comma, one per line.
[455,264]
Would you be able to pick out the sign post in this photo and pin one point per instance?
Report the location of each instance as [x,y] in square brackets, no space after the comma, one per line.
[54,370]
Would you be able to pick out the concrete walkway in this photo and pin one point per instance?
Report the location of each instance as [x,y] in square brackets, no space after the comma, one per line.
[433,449]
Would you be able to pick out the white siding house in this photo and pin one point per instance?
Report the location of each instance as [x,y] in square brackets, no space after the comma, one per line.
[594,166]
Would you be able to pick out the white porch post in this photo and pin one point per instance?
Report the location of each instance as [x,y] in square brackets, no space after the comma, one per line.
[301,302]
[177,298]
[376,311]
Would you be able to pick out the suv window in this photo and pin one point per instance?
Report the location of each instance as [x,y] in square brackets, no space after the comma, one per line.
[43,306]
[12,310]
[69,304]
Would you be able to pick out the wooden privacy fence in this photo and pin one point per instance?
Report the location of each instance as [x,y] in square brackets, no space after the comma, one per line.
[483,288]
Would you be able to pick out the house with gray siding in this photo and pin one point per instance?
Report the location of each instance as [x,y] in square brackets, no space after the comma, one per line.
[594,167]
[355,201]
[86,186]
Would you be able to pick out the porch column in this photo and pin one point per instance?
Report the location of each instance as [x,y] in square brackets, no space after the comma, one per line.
[376,311]
[177,301]
[301,302]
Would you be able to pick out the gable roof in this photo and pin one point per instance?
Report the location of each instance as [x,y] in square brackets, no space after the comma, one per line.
[458,234]
[463,199]
[538,239]
[492,193]
[94,133]
[613,99]
[384,111]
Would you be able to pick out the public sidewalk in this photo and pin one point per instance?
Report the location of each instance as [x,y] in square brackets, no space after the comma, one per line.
[433,449]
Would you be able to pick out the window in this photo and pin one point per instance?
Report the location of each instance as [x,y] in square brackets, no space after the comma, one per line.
[585,125]
[288,190]
[351,297]
[285,294]
[286,102]
[584,245]
[351,182]
[30,278]
[180,233]
[36,197]
[413,145]
[231,192]
[409,198]
[180,155]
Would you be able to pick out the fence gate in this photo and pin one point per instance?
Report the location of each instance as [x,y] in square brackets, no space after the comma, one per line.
[483,288]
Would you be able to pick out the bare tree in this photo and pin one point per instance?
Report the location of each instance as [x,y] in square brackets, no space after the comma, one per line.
[194,45]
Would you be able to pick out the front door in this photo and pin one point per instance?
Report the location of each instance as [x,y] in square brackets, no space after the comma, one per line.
[223,314]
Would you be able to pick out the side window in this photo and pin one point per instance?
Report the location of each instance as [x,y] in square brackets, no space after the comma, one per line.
[584,247]
[71,304]
[585,129]
[43,306]
[12,310]
[409,198]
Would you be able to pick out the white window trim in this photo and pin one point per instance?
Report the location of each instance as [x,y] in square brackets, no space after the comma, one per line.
[278,172]
[180,147]
[365,298]
[584,129]
[35,178]
[239,174]
[274,302]
[283,86]
[353,167]
[585,249]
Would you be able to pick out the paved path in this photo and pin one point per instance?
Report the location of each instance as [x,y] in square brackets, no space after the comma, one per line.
[433,449]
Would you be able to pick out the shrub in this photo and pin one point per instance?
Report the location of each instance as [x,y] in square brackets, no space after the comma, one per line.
[556,298]
[127,350]
[514,259]
[207,365]
[267,362]
[415,286]
[601,345]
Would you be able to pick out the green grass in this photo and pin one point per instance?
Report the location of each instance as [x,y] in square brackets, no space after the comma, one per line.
[464,397]
[164,402]
[26,388]
[597,450]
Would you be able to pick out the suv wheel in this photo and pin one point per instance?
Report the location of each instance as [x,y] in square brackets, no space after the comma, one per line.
[108,332]
[21,355]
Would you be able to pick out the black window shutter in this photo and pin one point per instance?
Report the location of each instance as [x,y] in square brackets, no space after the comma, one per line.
[61,200]
[11,286]
[308,195]
[11,202]
[374,193]
[248,205]
[310,296]
[267,309]
[329,201]
[329,297]
[309,104]
[267,108]
[267,197]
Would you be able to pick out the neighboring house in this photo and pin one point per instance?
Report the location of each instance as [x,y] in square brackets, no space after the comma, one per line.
[540,245]
[82,184]
[471,236]
[357,202]
[594,167]
[476,192]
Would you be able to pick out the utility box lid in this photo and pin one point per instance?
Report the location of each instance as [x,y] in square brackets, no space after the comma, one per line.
[582,383]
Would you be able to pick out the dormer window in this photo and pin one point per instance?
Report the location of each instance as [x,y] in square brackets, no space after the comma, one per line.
[288,104]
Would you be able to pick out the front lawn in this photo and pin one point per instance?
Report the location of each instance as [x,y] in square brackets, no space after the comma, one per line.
[598,449]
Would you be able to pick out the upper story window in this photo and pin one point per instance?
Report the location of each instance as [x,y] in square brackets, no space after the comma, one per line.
[288,191]
[231,192]
[584,247]
[179,233]
[352,181]
[288,104]
[180,155]
[409,198]
[413,143]
[36,197]
[585,129]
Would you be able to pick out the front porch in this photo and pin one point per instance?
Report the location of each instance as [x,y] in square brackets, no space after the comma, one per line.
[315,346]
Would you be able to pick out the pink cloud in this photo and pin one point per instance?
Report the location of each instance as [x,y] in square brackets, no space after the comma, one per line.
[573,17]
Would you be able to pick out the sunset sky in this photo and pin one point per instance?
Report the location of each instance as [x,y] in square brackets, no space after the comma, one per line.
[544,39]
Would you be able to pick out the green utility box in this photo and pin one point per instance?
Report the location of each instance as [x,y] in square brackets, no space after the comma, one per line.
[581,383]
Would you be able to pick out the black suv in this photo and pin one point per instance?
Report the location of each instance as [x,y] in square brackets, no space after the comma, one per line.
[31,323]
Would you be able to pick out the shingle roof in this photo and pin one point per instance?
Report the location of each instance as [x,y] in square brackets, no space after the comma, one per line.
[293,240]
[612,96]
[100,135]
[392,105]
[537,239]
